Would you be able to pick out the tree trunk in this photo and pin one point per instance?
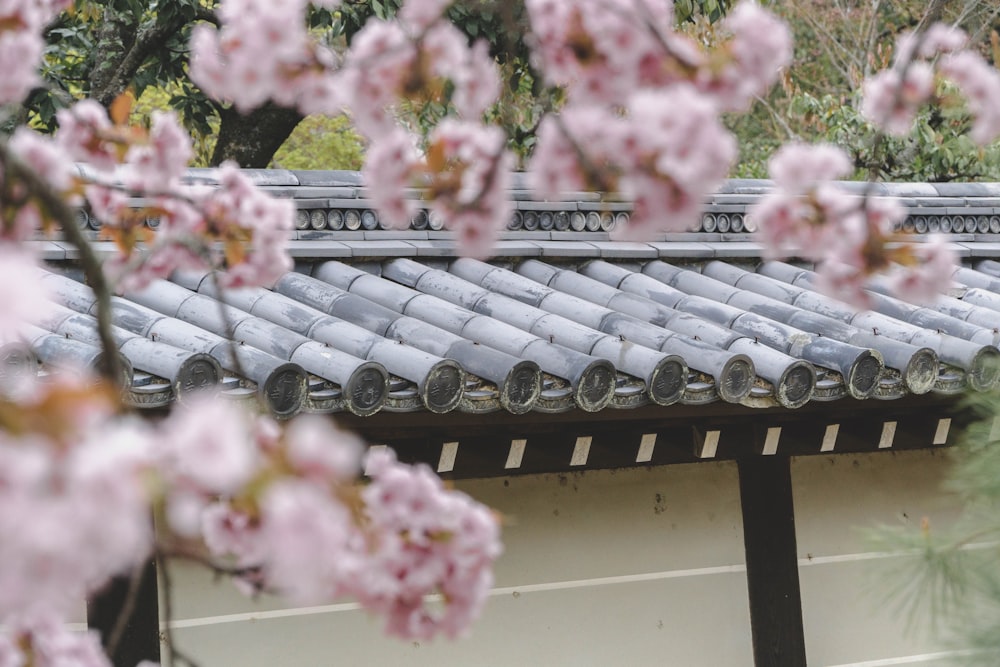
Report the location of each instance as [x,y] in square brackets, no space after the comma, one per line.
[252,140]
[115,40]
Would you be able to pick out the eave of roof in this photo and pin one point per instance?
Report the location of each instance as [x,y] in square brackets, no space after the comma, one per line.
[686,318]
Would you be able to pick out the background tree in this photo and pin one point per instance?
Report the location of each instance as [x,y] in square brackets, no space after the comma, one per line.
[103,48]
[838,43]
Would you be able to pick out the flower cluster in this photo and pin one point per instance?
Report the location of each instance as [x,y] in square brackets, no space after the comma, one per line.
[251,226]
[428,540]
[644,102]
[893,97]
[262,52]
[49,643]
[809,216]
[665,154]
[78,483]
[21,44]
[465,166]
[271,500]
[67,466]
[469,174]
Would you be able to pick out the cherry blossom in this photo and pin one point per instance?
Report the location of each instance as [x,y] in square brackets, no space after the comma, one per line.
[74,510]
[805,214]
[27,303]
[676,144]
[666,153]
[604,51]
[431,541]
[21,45]
[262,51]
[207,444]
[760,47]
[469,171]
[893,97]
[86,135]
[159,164]
[420,14]
[891,100]
[318,449]
[44,157]
[381,55]
[390,165]
[44,641]
[928,276]
[979,82]
[299,520]
[810,216]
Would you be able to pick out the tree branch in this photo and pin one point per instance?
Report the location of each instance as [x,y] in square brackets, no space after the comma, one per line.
[60,212]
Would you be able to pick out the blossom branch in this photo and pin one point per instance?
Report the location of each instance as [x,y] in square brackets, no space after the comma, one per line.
[64,217]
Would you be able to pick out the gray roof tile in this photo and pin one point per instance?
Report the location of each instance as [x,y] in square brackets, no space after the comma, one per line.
[562,320]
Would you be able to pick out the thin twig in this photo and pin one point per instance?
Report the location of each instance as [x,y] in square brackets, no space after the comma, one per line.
[778,118]
[167,632]
[125,613]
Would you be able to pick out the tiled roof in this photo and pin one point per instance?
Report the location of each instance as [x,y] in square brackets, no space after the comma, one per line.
[560,320]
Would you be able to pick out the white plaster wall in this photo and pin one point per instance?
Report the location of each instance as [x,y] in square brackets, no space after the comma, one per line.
[637,567]
[634,567]
[846,584]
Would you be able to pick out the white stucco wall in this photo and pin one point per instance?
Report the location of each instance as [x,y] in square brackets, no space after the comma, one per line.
[849,614]
[634,567]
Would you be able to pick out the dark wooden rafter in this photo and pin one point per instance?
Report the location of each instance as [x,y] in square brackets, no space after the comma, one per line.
[468,446]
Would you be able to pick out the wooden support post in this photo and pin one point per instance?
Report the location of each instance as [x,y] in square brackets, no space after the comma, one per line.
[772,562]
[140,639]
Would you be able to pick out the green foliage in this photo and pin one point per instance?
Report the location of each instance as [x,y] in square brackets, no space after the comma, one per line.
[837,44]
[321,142]
[953,574]
[938,149]
[688,10]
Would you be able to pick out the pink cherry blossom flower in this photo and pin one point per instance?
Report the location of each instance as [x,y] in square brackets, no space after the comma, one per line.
[761,46]
[390,166]
[891,102]
[937,39]
[676,138]
[476,207]
[106,204]
[418,15]
[44,157]
[381,55]
[74,520]
[206,443]
[49,643]
[83,134]
[316,448]
[20,53]
[23,301]
[230,532]
[300,520]
[843,281]
[429,541]
[262,51]
[798,168]
[930,276]
[21,44]
[979,82]
[477,82]
[555,167]
[158,165]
